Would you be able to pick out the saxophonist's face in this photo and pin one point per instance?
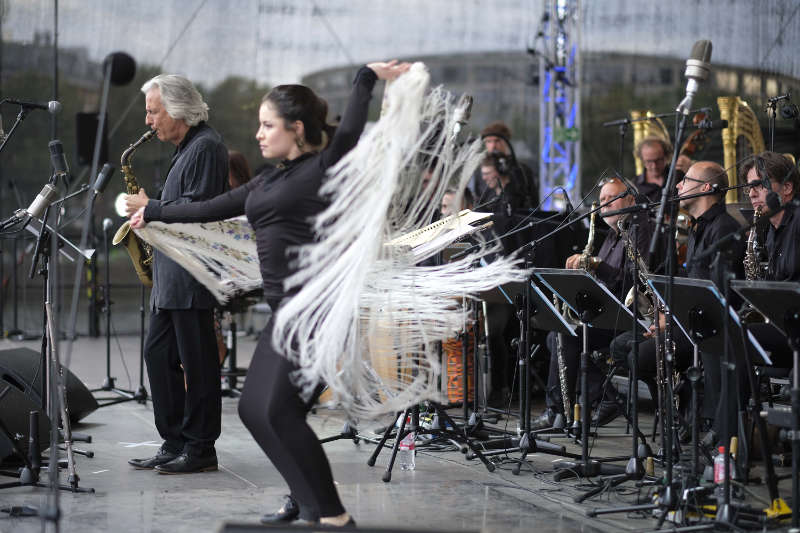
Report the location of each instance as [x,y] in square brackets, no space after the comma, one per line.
[609,191]
[167,128]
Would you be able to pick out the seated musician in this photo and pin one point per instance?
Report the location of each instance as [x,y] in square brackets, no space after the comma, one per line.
[609,266]
[654,152]
[783,236]
[711,223]
[448,202]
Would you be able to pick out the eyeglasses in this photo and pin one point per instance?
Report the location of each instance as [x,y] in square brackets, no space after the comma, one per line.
[756,186]
[652,161]
[687,178]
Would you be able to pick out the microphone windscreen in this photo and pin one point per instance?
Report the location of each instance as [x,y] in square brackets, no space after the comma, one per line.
[773,202]
[123,67]
[701,51]
[103,178]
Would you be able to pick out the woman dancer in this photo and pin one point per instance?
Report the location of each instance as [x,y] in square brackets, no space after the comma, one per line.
[280,206]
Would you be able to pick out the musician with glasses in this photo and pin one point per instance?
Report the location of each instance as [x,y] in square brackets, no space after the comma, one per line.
[783,236]
[611,267]
[655,153]
[180,341]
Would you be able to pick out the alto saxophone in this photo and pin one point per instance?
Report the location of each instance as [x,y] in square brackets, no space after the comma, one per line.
[753,269]
[141,253]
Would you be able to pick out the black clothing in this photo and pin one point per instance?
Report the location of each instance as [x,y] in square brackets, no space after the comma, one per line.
[187,415]
[613,271]
[709,228]
[653,191]
[271,409]
[198,171]
[523,178]
[783,247]
[280,207]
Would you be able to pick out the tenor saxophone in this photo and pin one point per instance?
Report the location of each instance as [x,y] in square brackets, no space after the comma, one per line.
[586,256]
[141,253]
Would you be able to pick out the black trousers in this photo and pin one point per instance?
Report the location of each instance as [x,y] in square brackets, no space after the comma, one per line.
[274,413]
[599,339]
[187,414]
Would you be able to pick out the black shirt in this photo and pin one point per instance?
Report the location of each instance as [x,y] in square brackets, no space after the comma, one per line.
[653,191]
[709,228]
[281,205]
[614,269]
[783,249]
[198,171]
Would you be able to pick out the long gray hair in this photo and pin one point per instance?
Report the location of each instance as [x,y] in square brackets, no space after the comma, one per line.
[179,97]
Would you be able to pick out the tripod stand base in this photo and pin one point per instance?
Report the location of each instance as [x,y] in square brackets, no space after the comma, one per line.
[591,468]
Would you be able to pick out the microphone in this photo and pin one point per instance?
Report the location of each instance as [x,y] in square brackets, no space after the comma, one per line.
[120,67]
[773,202]
[57,159]
[45,197]
[567,204]
[697,69]
[52,107]
[462,113]
[107,224]
[102,179]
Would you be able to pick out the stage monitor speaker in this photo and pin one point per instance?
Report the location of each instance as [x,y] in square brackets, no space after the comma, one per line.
[21,367]
[15,408]
[85,135]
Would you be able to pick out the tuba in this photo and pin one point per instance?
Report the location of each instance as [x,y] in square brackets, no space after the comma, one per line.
[141,253]
[743,134]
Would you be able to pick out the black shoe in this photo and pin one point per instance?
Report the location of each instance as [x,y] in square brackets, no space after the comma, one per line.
[163,456]
[606,412]
[288,513]
[189,464]
[544,420]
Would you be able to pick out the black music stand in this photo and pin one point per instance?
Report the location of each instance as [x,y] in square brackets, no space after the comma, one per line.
[779,302]
[698,308]
[544,316]
[595,307]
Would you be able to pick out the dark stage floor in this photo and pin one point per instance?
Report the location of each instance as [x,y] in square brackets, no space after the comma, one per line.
[446,492]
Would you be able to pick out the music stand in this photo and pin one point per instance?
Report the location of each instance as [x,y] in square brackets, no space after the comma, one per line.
[779,302]
[544,316]
[596,307]
[698,308]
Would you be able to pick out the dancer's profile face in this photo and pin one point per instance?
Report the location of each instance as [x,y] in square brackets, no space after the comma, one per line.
[274,139]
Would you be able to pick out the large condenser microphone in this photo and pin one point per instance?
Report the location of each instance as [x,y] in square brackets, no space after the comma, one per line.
[102,179]
[697,69]
[45,197]
[57,159]
[462,113]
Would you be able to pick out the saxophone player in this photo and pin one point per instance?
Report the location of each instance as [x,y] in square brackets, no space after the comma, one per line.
[609,266]
[783,235]
[180,339]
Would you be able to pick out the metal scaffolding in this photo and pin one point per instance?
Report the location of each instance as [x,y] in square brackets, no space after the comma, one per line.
[559,100]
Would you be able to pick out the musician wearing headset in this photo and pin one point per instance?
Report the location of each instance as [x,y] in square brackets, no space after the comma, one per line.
[783,235]
[610,266]
[497,141]
[180,340]
[711,222]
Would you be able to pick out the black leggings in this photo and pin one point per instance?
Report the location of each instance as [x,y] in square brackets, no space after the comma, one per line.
[274,413]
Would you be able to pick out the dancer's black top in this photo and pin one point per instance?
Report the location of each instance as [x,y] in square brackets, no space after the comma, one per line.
[281,204]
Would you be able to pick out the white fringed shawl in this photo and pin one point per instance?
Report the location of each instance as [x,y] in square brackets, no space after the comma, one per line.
[366,319]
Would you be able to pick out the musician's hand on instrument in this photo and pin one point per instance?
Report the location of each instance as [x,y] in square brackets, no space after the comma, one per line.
[389,70]
[137,220]
[134,202]
[650,332]
[573,261]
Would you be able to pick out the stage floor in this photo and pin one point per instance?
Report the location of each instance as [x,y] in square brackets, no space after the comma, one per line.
[445,492]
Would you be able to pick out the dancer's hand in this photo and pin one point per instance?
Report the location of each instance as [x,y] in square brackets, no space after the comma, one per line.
[388,70]
[133,202]
[137,220]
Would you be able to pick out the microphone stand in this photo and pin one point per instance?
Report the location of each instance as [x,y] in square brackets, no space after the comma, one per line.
[23,112]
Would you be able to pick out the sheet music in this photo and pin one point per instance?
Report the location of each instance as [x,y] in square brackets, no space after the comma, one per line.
[434,237]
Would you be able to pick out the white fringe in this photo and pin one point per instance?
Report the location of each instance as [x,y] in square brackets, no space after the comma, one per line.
[366,319]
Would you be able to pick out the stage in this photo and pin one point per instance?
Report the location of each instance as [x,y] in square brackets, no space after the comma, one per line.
[445,492]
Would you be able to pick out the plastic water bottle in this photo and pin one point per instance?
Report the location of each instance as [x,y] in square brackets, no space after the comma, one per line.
[719,466]
[405,452]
